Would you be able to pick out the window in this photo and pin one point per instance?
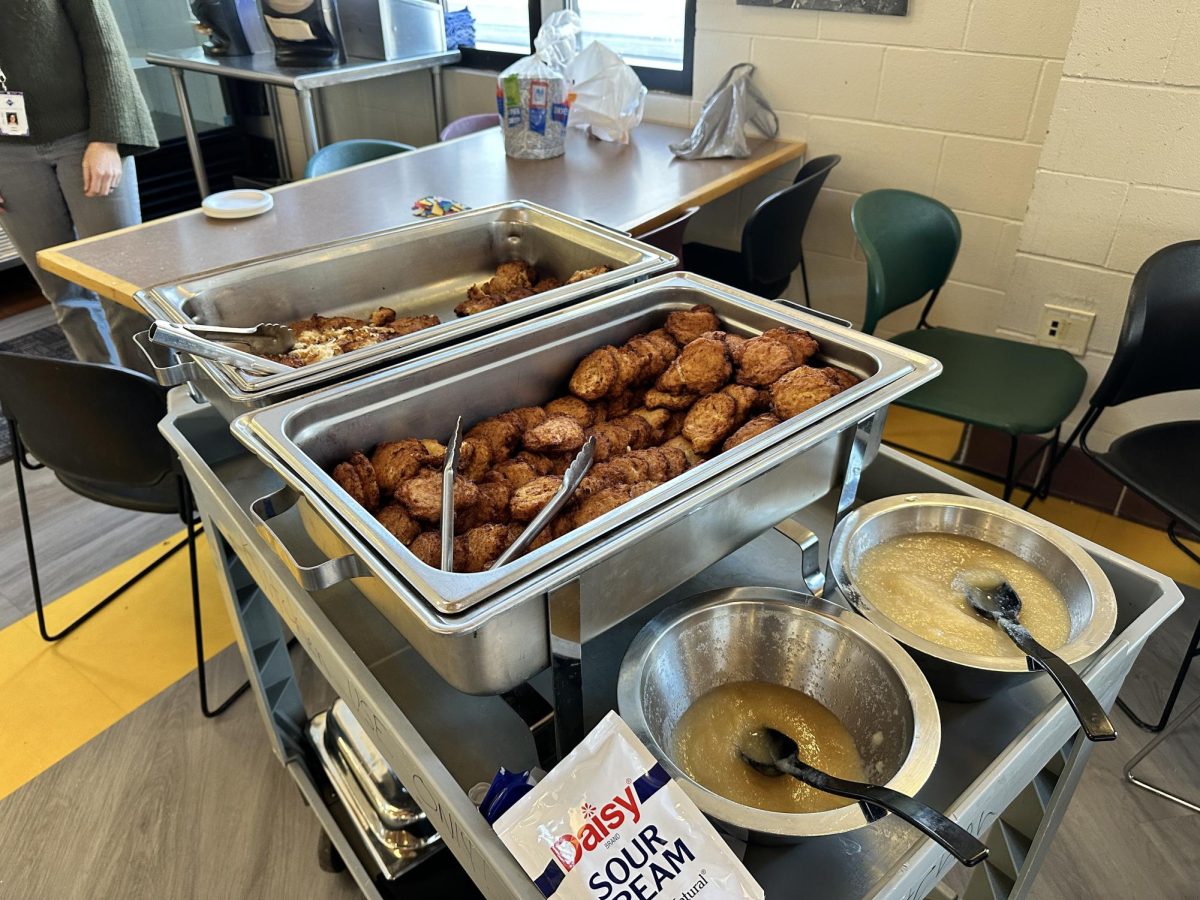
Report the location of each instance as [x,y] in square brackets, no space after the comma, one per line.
[654,36]
[504,31]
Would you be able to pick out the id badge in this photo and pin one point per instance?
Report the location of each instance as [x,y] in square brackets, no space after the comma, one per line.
[13,121]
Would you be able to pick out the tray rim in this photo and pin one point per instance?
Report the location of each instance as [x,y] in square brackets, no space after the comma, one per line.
[264,431]
[237,386]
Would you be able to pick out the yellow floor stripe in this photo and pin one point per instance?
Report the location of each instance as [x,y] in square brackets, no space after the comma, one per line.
[1149,546]
[54,698]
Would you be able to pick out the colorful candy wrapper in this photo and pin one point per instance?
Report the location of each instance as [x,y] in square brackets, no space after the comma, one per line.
[430,207]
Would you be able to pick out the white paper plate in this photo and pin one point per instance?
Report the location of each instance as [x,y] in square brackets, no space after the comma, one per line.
[239,204]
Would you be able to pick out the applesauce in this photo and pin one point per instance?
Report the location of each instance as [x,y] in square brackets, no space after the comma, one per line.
[706,740]
[910,580]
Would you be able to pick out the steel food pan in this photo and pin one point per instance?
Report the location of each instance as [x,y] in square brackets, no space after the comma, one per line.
[487,633]
[419,269]
[528,365]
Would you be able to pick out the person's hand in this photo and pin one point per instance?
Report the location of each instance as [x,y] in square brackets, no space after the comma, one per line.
[101,169]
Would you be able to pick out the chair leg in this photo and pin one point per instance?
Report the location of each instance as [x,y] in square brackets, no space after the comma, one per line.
[1010,473]
[804,279]
[38,603]
[185,512]
[1185,664]
[1173,534]
[1149,748]
[1041,490]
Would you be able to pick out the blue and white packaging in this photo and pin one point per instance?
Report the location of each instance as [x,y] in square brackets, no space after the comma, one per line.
[609,823]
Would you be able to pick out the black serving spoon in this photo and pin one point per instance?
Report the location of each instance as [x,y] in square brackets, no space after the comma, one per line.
[773,753]
[994,598]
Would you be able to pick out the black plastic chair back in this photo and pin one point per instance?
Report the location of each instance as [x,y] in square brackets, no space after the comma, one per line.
[87,421]
[1161,333]
[772,241]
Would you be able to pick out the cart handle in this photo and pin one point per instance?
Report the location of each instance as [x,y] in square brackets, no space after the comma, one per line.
[310,578]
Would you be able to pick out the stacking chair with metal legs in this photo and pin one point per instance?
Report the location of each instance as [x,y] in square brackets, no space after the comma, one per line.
[772,239]
[1155,356]
[96,428]
[911,242]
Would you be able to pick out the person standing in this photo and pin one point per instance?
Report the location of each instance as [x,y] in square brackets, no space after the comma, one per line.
[74,116]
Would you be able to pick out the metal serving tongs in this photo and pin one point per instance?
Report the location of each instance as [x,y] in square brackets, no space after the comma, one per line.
[448,473]
[571,478]
[204,341]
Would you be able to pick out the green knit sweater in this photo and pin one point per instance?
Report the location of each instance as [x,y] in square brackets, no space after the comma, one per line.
[67,58]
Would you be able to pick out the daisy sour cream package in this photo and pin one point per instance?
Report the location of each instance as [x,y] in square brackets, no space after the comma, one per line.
[608,823]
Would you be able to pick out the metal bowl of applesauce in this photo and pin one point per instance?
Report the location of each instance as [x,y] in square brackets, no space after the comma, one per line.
[783,637]
[955,674]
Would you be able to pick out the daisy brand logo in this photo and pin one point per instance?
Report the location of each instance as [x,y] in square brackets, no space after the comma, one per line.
[598,823]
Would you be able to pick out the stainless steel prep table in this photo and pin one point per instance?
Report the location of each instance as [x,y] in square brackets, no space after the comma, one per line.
[261,67]
[1007,769]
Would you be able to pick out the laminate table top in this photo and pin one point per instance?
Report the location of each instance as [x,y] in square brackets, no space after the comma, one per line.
[632,187]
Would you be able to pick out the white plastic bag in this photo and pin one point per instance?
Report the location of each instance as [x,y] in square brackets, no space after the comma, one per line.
[734,104]
[609,98]
[557,41]
[531,94]
[608,823]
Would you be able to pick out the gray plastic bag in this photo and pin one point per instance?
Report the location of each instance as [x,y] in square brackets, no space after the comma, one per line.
[721,129]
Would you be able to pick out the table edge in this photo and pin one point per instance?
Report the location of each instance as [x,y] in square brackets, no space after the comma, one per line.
[58,261]
[359,70]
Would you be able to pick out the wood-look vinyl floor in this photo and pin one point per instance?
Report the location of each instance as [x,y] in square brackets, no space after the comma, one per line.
[66,536]
[166,804]
[1116,840]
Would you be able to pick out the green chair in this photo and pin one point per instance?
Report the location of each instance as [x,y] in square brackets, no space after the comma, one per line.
[343,154]
[911,242]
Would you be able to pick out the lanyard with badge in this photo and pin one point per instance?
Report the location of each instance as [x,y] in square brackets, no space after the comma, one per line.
[13,121]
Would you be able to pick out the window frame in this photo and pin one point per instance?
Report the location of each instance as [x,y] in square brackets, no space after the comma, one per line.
[655,79]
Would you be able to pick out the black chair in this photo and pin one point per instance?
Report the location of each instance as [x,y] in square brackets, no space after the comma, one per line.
[96,428]
[669,236]
[1154,356]
[772,239]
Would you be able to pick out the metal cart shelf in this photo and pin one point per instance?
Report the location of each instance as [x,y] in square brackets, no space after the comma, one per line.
[1007,768]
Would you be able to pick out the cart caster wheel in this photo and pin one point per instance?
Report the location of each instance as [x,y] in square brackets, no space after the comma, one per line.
[327,856]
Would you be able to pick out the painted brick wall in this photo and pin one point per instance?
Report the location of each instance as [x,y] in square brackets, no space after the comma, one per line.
[952,100]
[1119,178]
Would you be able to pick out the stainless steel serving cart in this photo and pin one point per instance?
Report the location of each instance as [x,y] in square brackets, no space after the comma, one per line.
[1007,769]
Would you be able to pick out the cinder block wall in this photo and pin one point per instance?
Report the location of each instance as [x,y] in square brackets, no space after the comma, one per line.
[952,100]
[1119,178]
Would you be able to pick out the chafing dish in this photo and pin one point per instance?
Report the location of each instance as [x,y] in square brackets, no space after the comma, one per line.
[486,632]
[393,850]
[955,674]
[423,268]
[782,637]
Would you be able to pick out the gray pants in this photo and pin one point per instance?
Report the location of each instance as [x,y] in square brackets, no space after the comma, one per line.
[44,206]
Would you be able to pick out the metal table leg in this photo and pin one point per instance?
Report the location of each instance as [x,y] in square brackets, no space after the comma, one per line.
[281,149]
[1150,747]
[308,121]
[189,131]
[439,101]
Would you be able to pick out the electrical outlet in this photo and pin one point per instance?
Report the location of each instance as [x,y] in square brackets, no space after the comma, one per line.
[1067,328]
